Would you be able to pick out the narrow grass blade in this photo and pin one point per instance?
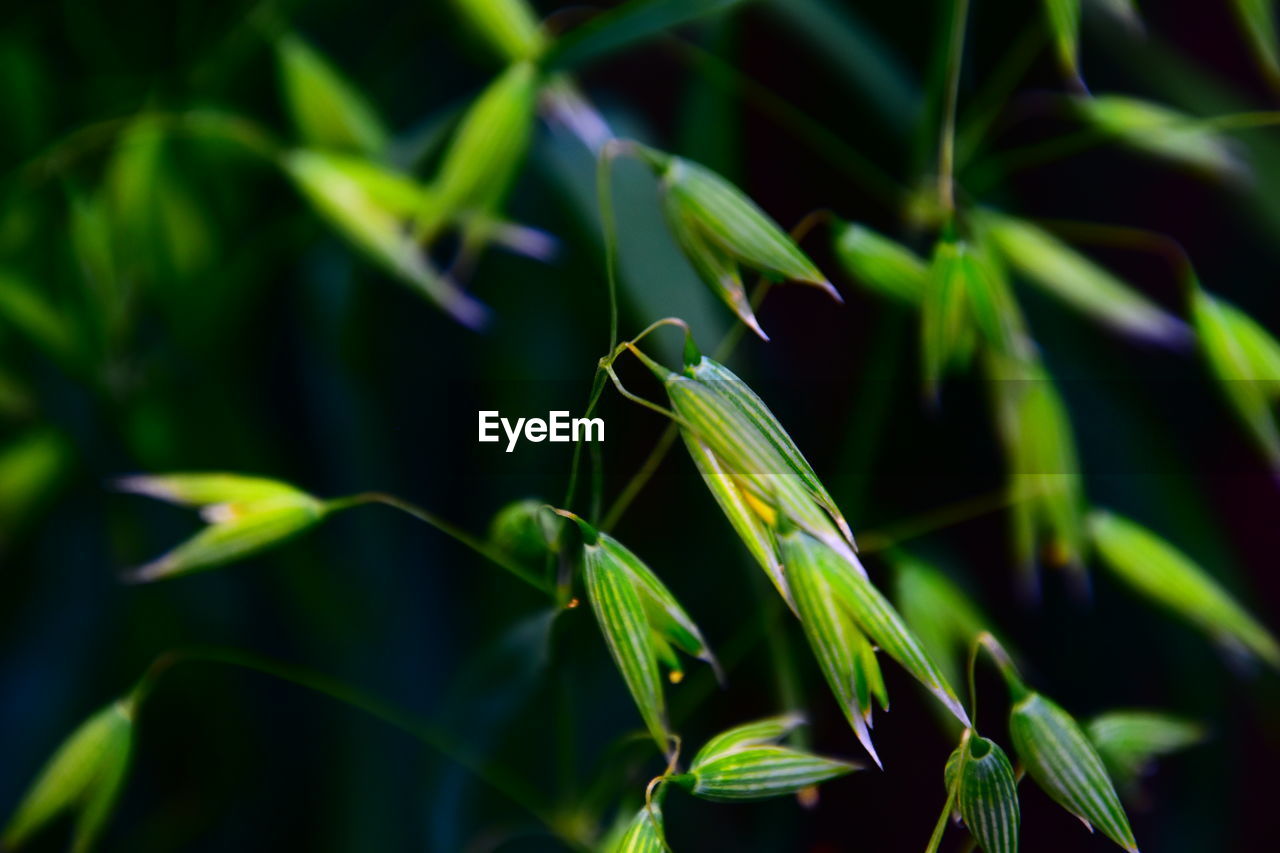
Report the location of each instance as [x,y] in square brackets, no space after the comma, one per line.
[871,610]
[326,109]
[84,777]
[353,206]
[1161,132]
[486,150]
[759,772]
[1165,575]
[620,612]
[716,267]
[740,509]
[643,835]
[626,24]
[1064,24]
[663,612]
[25,308]
[1258,19]
[986,793]
[1129,741]
[836,642]
[1065,273]
[732,221]
[770,730]
[1245,359]
[881,264]
[1062,761]
[738,394]
[510,26]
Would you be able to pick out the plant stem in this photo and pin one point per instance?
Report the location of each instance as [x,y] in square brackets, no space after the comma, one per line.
[947,143]
[444,744]
[449,529]
[941,826]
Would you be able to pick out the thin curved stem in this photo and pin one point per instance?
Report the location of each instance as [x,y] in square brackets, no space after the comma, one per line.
[940,827]
[441,742]
[451,530]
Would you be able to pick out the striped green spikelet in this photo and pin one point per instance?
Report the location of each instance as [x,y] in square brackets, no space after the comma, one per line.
[1062,761]
[986,793]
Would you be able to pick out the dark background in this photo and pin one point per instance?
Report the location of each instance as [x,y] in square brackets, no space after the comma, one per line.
[277,351]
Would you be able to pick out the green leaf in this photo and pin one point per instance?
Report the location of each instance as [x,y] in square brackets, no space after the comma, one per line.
[643,835]
[1162,132]
[738,394]
[946,330]
[758,772]
[510,26]
[1062,761]
[770,730]
[730,220]
[1258,18]
[31,465]
[26,307]
[869,608]
[327,110]
[881,264]
[486,151]
[1129,741]
[986,793]
[1245,358]
[1168,577]
[357,207]
[83,777]
[1064,24]
[1065,273]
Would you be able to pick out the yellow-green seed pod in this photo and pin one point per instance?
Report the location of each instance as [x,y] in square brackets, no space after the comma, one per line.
[486,150]
[83,777]
[760,772]
[524,529]
[986,792]
[326,109]
[510,27]
[643,834]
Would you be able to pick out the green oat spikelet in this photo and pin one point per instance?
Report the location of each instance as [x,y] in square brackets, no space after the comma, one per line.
[986,792]
[644,834]
[1161,132]
[748,763]
[83,778]
[245,515]
[1062,761]
[1170,578]
[641,622]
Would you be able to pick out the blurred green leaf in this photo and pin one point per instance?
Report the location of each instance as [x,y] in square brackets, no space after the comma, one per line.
[610,32]
[943,618]
[1258,19]
[1162,132]
[1065,273]
[1129,741]
[328,112]
[1064,23]
[1245,359]
[510,26]
[30,468]
[25,307]
[84,777]
[881,264]
[353,200]
[1165,575]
